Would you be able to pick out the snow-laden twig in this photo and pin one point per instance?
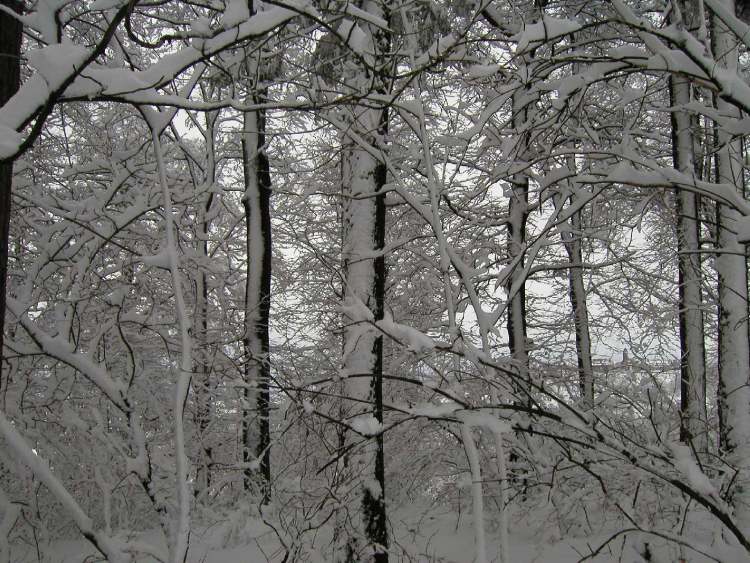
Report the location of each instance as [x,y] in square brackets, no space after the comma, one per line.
[63,350]
[41,469]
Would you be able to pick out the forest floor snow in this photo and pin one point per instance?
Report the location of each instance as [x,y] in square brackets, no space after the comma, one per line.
[417,535]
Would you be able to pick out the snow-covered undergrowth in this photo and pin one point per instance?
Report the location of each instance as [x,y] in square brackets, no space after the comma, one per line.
[438,533]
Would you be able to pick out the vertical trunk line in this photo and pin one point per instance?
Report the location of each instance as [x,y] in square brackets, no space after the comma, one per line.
[572,241]
[364,213]
[577,293]
[375,507]
[731,267]
[263,451]
[179,547]
[694,416]
[257,205]
[204,396]
[10,77]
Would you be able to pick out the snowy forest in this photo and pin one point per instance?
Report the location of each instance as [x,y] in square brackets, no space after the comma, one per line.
[458,281]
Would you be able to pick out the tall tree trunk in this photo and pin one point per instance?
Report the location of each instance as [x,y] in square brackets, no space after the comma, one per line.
[10,77]
[181,525]
[202,381]
[731,266]
[694,416]
[516,284]
[203,371]
[257,204]
[522,106]
[363,179]
[572,238]
[362,363]
[577,293]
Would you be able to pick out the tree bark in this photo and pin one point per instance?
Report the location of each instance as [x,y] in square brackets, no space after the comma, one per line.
[518,213]
[731,266]
[203,372]
[693,426]
[364,214]
[516,284]
[202,381]
[362,364]
[572,238]
[694,416]
[10,79]
[257,204]
[577,293]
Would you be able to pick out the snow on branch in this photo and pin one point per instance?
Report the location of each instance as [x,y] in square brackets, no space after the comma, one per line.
[43,472]
[65,71]
[64,350]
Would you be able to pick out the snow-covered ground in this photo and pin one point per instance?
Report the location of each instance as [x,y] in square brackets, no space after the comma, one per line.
[416,537]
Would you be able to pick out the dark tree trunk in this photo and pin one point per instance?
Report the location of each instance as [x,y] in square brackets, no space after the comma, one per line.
[10,77]
[693,425]
[257,204]
[202,379]
[374,508]
[364,537]
[577,292]
[517,337]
